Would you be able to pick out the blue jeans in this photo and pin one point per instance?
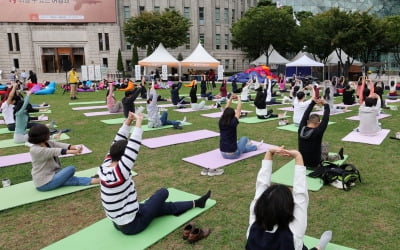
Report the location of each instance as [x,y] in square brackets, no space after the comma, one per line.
[165,121]
[154,207]
[65,177]
[242,147]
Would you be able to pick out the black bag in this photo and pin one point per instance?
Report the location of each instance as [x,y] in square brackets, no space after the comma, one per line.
[329,172]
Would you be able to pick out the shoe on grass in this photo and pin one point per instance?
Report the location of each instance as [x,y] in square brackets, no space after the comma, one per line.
[215,172]
[204,171]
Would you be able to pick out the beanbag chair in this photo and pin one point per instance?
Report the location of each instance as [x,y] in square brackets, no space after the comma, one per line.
[130,86]
[86,88]
[48,90]
[3,87]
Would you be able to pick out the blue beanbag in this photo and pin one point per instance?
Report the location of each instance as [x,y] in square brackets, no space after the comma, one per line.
[48,90]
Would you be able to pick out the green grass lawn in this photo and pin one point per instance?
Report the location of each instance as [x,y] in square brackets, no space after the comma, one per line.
[367,217]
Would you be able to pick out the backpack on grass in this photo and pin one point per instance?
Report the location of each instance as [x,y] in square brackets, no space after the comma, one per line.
[341,176]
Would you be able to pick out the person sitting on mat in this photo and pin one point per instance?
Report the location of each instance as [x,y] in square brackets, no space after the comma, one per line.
[368,113]
[229,146]
[348,94]
[300,104]
[261,104]
[278,216]
[310,133]
[47,173]
[118,193]
[113,106]
[153,114]
[128,101]
[244,95]
[175,98]
[193,93]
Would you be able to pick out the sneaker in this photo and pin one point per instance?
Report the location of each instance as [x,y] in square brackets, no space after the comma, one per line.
[337,184]
[52,124]
[177,127]
[183,121]
[214,172]
[41,117]
[204,171]
[259,145]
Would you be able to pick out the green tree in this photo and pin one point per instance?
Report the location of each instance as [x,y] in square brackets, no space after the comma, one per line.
[120,64]
[392,36]
[149,29]
[135,56]
[263,26]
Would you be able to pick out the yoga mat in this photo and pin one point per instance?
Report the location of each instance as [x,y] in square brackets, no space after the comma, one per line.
[357,118]
[346,105]
[340,111]
[213,159]
[254,119]
[284,176]
[392,100]
[368,139]
[310,242]
[44,118]
[219,114]
[293,128]
[84,103]
[187,110]
[90,107]
[10,142]
[291,109]
[5,131]
[145,128]
[168,105]
[12,160]
[100,113]
[114,121]
[102,234]
[178,138]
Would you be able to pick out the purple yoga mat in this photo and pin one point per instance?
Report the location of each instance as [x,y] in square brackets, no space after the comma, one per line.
[286,109]
[186,110]
[100,113]
[169,105]
[90,107]
[339,111]
[218,114]
[10,160]
[357,118]
[213,159]
[345,105]
[369,139]
[178,138]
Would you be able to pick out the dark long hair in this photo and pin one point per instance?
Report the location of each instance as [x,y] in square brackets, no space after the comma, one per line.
[274,207]
[38,134]
[227,116]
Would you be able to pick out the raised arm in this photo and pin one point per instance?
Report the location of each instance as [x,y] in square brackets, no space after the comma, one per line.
[306,114]
[12,93]
[238,108]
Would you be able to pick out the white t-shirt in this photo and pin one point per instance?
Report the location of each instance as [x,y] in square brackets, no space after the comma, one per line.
[8,112]
[298,109]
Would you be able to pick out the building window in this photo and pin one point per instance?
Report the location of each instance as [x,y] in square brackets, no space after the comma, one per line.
[16,36]
[233,15]
[141,9]
[55,60]
[186,12]
[234,64]
[217,41]
[226,16]
[105,62]
[128,65]
[187,45]
[171,7]
[217,16]
[107,41]
[226,41]
[226,64]
[157,9]
[10,43]
[100,35]
[201,38]
[16,63]
[128,45]
[127,13]
[201,15]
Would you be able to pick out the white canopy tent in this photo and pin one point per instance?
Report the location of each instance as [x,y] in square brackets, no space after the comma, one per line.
[334,59]
[159,57]
[200,58]
[274,58]
[304,61]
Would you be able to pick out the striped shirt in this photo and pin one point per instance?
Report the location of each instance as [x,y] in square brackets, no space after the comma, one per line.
[118,193]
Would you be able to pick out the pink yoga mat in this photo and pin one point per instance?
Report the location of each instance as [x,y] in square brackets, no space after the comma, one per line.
[169,105]
[286,109]
[100,113]
[186,110]
[10,160]
[213,159]
[178,138]
[357,118]
[345,105]
[338,112]
[219,114]
[369,139]
[90,107]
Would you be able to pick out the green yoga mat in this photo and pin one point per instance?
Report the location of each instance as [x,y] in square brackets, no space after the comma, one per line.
[312,242]
[103,235]
[114,121]
[25,193]
[254,119]
[293,128]
[83,103]
[10,142]
[284,175]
